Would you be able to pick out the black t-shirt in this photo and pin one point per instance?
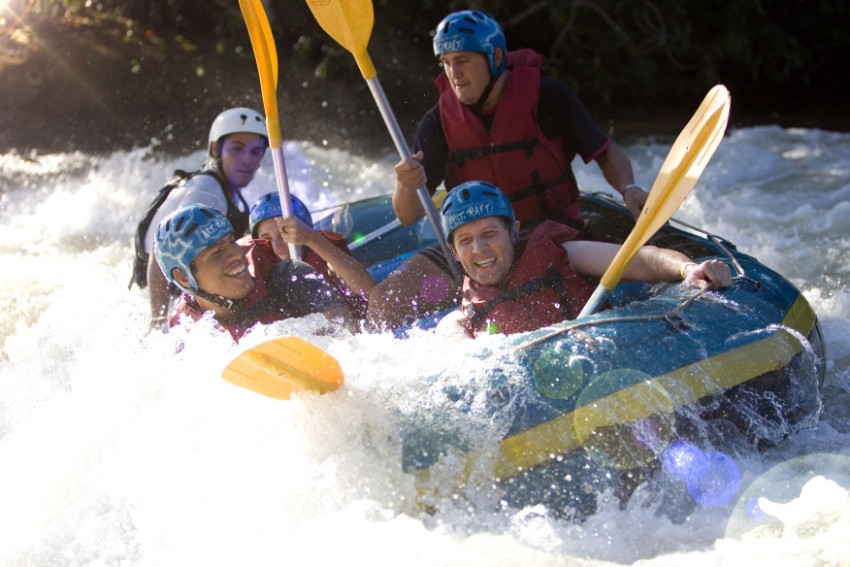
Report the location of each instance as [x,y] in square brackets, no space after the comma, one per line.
[560,113]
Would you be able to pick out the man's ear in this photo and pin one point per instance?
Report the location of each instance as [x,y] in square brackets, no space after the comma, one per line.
[498,54]
[180,277]
[516,229]
[454,253]
[214,150]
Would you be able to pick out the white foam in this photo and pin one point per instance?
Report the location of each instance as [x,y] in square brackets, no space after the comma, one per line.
[118,446]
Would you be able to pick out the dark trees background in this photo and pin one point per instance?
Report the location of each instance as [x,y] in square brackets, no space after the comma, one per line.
[116,73]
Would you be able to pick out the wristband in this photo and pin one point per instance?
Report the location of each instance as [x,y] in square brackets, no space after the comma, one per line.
[683,267]
[625,189]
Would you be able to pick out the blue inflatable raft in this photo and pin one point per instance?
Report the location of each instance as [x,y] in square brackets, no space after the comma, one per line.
[617,392]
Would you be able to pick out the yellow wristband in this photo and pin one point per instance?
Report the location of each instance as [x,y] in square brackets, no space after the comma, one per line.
[683,267]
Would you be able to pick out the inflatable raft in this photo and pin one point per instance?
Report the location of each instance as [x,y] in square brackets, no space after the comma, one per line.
[619,391]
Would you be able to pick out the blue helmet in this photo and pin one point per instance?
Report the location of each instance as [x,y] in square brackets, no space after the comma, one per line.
[471,201]
[472,30]
[184,234]
[268,207]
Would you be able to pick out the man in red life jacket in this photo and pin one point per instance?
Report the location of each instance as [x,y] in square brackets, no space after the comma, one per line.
[325,251]
[514,284]
[240,283]
[498,120]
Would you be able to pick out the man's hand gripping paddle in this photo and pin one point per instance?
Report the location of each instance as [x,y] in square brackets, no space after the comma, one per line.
[350,23]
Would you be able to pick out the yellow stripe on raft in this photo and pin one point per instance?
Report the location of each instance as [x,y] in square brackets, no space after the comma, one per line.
[683,386]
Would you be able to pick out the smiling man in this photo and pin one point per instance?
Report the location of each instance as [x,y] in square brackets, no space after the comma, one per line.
[498,119]
[514,284]
[241,283]
[236,145]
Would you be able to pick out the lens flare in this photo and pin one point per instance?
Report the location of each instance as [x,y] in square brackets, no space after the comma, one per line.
[12,14]
[434,289]
[558,374]
[781,486]
[712,478]
[623,419]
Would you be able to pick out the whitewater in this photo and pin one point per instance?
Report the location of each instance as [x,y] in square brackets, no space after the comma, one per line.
[123,446]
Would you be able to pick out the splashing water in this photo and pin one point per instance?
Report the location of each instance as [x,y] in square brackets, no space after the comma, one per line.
[119,446]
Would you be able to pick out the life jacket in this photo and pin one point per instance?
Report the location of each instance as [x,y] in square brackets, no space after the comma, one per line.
[356,303]
[515,155]
[258,306]
[541,288]
[239,219]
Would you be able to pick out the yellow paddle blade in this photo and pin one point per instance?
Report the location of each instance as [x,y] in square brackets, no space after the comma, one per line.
[350,23]
[266,30]
[439,196]
[283,366]
[265,53]
[679,173]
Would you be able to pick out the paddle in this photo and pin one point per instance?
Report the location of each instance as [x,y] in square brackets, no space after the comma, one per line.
[392,225]
[283,366]
[684,164]
[349,22]
[265,53]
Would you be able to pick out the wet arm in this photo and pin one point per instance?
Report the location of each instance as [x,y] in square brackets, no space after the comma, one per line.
[356,277]
[650,264]
[452,326]
[158,289]
[617,170]
[427,168]
[296,284]
[352,272]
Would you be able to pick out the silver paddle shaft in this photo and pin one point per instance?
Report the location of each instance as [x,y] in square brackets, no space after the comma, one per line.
[404,151]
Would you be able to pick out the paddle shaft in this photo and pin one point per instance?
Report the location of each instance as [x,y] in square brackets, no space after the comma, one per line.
[283,193]
[389,227]
[404,152]
[265,53]
[375,234]
[349,23]
[594,302]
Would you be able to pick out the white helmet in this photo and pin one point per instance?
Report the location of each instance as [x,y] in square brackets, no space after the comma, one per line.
[236,120]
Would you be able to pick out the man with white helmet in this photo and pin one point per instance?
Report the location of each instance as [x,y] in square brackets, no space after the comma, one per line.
[237,142]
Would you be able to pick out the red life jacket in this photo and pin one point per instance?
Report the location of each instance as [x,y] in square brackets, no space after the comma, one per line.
[515,155]
[261,259]
[542,288]
[356,303]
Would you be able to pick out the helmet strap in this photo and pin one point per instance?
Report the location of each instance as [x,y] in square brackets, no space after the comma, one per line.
[479,104]
[455,259]
[518,250]
[232,305]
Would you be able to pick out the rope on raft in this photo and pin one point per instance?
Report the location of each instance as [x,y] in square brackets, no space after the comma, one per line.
[671,316]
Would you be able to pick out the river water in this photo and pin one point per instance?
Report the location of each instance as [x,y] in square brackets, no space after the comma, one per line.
[124,447]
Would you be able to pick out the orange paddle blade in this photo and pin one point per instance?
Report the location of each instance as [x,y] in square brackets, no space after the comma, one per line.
[283,366]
